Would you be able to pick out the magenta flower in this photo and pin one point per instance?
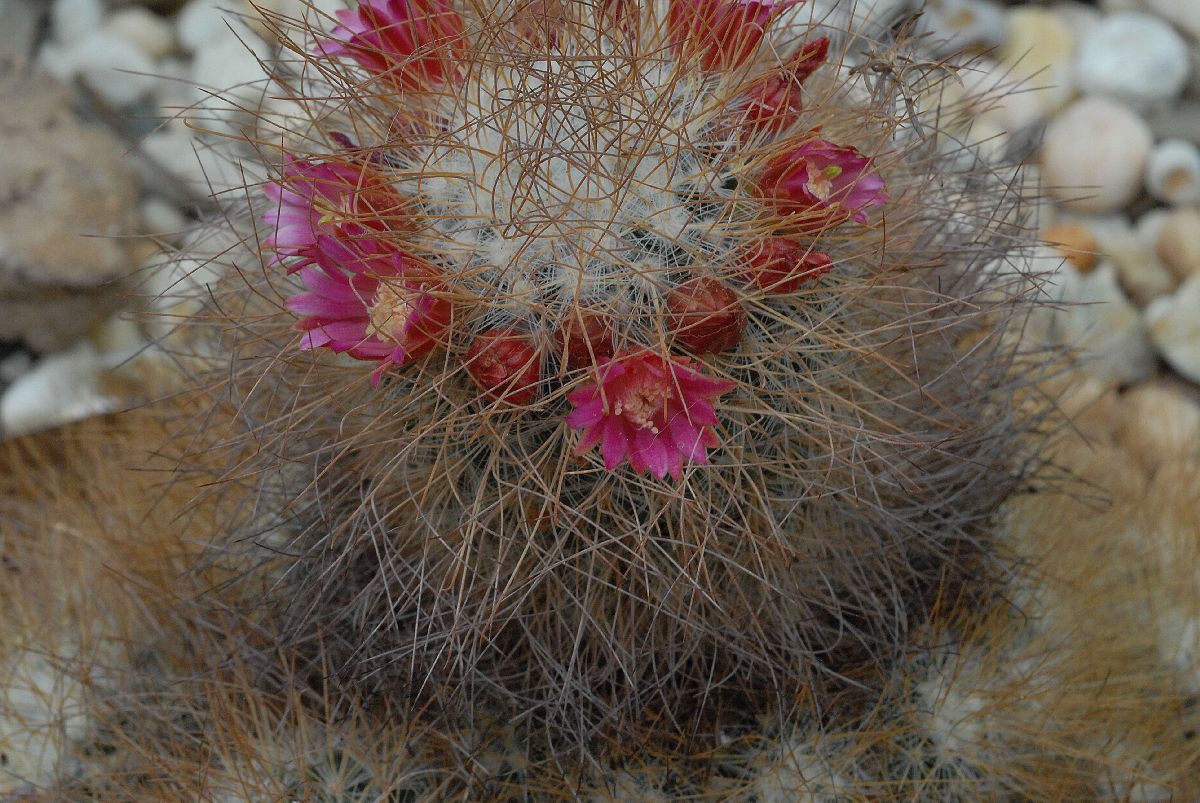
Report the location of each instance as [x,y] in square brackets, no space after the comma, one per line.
[412,43]
[722,34]
[318,203]
[390,309]
[818,184]
[656,411]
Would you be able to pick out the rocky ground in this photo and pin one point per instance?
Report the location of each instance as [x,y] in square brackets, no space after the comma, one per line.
[117,139]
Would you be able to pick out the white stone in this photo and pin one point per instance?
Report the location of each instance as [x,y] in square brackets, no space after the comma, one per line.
[1178,242]
[162,219]
[1142,275]
[43,710]
[1133,57]
[956,24]
[61,388]
[1173,172]
[150,32]
[1184,14]
[1079,17]
[73,20]
[1098,321]
[206,166]
[109,64]
[202,22]
[1150,224]
[1094,155]
[1174,323]
[990,94]
[989,139]
[231,82]
[1040,48]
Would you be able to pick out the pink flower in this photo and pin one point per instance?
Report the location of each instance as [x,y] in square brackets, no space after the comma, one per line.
[315,203]
[413,43]
[818,184]
[722,34]
[656,411]
[390,309]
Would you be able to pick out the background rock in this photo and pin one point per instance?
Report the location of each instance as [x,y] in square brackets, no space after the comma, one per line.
[66,202]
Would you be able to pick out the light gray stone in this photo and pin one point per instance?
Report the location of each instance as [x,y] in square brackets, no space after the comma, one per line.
[1094,155]
[68,208]
[1173,172]
[1174,323]
[1133,57]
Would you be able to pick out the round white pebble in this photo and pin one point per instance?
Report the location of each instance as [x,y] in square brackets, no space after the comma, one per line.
[112,66]
[1134,57]
[202,22]
[150,32]
[1173,172]
[1094,155]
[955,24]
[1183,13]
[74,19]
[1174,323]
[1178,242]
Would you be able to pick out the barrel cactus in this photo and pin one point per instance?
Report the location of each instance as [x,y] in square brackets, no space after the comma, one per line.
[616,361]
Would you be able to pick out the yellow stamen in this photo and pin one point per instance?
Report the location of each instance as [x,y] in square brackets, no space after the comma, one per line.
[393,305]
[641,403]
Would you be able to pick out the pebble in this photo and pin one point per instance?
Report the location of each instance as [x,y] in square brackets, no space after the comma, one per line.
[1174,323]
[205,22]
[1150,224]
[162,219]
[1079,17]
[1140,272]
[73,20]
[153,34]
[1100,323]
[1133,57]
[70,194]
[957,24]
[1040,47]
[1094,155]
[1178,243]
[1183,14]
[20,32]
[1160,422]
[990,140]
[61,388]
[1173,172]
[988,86]
[1076,243]
[231,68]
[112,66]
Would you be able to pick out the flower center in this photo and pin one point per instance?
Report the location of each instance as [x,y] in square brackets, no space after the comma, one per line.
[820,183]
[394,304]
[639,404]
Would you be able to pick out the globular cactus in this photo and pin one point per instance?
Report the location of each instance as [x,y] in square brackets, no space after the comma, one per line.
[625,358]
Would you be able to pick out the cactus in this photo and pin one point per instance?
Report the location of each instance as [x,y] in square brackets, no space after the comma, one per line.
[626,359]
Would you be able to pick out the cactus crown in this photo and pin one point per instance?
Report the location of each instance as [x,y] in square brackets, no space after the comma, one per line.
[662,229]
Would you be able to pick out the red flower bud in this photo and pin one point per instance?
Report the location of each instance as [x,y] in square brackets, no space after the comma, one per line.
[706,316]
[584,338]
[774,103]
[781,265]
[505,365]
